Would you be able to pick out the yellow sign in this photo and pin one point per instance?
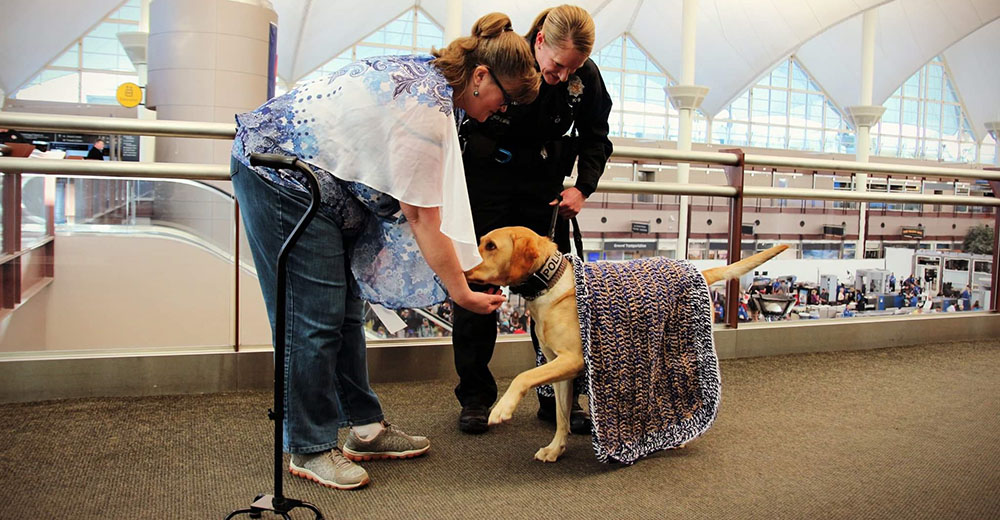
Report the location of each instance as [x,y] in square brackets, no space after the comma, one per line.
[129,94]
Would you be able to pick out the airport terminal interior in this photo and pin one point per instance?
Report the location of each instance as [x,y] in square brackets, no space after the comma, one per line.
[853,375]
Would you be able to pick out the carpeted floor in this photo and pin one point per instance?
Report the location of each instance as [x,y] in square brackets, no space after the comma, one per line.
[905,433]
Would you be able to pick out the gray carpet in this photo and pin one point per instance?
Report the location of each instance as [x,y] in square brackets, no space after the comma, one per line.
[893,433]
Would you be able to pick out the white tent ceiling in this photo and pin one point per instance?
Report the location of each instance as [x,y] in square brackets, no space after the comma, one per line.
[737,40]
[35,32]
[974,68]
[310,33]
[908,34]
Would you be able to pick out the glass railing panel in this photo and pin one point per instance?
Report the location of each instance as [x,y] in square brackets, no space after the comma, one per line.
[912,264]
[123,242]
[125,278]
[254,327]
[437,321]
[814,277]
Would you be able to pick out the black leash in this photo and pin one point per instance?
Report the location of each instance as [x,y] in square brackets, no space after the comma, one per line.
[577,237]
[555,217]
[538,283]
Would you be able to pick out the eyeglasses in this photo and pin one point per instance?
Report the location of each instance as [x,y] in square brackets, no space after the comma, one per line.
[507,101]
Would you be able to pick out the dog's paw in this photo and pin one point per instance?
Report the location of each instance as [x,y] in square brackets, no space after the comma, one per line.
[503,410]
[550,453]
[500,415]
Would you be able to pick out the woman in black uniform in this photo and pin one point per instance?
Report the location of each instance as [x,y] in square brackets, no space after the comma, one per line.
[515,163]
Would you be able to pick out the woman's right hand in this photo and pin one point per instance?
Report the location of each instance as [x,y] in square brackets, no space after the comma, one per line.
[479,302]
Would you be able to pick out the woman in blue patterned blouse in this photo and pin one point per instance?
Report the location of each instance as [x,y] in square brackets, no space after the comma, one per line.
[394,226]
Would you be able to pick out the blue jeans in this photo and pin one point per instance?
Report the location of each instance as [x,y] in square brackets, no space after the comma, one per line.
[326,368]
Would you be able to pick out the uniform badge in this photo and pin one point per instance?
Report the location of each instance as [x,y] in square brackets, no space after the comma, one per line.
[575,88]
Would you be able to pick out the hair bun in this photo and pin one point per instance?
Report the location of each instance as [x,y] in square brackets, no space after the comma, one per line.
[492,25]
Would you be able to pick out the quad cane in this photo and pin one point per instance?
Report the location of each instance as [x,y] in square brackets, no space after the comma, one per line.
[279,503]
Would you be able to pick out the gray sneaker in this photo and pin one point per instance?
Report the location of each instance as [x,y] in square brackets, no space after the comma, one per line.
[391,443]
[328,468]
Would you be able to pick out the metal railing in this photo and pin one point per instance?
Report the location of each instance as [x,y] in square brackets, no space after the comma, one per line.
[215,172]
[733,161]
[109,125]
[762,192]
[799,163]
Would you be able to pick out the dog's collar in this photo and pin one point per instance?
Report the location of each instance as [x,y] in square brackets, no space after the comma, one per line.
[542,280]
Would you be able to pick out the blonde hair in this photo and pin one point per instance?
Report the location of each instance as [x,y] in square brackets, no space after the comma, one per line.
[565,26]
[494,44]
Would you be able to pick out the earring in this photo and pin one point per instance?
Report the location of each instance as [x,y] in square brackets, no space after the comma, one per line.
[475,93]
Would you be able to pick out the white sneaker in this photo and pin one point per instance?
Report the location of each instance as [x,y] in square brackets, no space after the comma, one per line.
[329,468]
[390,443]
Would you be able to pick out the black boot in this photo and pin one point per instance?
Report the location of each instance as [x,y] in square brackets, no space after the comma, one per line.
[473,419]
[579,420]
[547,408]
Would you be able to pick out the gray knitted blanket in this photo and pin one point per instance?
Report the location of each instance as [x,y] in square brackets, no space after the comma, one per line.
[653,375]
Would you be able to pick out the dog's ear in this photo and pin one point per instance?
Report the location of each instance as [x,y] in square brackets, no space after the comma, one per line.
[523,257]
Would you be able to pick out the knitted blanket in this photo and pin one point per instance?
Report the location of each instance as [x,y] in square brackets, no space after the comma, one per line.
[653,375]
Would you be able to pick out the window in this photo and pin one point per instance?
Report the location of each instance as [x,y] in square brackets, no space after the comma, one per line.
[785,109]
[962,188]
[413,32]
[956,265]
[904,186]
[988,151]
[844,184]
[637,87]
[877,184]
[924,119]
[93,66]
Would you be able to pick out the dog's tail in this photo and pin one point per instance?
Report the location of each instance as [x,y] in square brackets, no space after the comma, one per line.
[738,269]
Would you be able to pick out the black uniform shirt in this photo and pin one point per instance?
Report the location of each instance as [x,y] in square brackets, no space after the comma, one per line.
[527,132]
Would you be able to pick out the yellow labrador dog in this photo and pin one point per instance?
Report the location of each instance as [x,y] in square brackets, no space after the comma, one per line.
[512,255]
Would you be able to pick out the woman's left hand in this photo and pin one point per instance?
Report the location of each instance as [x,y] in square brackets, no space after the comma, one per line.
[572,203]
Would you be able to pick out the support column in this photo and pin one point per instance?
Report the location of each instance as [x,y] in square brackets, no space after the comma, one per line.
[453,24]
[207,62]
[863,117]
[686,98]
